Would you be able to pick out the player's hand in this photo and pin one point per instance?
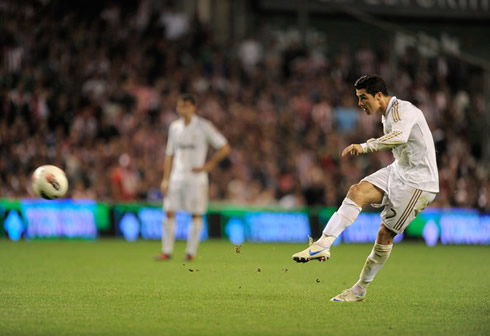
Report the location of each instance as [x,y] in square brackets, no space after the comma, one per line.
[206,168]
[164,187]
[353,149]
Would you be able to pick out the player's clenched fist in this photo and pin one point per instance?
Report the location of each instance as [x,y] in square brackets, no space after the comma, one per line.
[353,149]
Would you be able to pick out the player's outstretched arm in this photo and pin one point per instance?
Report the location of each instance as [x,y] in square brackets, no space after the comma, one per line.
[213,161]
[388,141]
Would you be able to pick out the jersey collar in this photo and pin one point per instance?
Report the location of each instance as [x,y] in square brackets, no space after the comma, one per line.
[390,104]
[192,122]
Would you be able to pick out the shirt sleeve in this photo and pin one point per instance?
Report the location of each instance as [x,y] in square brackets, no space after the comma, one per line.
[402,123]
[214,137]
[170,143]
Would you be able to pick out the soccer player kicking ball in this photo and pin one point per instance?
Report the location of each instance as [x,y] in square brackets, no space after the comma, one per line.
[185,180]
[405,187]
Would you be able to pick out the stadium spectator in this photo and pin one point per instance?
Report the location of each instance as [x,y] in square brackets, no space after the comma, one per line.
[81,86]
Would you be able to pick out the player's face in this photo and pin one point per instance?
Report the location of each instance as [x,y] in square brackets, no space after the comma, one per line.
[185,108]
[367,102]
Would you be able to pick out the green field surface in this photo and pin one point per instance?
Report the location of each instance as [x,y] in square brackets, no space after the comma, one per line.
[112,287]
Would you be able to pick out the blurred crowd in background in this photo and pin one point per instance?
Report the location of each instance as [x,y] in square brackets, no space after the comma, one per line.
[95,94]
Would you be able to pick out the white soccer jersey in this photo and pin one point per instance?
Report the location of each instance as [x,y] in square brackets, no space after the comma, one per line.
[189,146]
[408,135]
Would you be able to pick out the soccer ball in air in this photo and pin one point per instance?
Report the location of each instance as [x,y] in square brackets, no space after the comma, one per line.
[49,182]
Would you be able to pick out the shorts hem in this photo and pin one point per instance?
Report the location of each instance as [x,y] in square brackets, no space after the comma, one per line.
[375,183]
[391,229]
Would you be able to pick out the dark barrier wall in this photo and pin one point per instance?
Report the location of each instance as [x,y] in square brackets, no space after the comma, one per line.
[69,219]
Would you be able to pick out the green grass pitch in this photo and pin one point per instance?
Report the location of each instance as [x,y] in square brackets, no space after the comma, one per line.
[111,287]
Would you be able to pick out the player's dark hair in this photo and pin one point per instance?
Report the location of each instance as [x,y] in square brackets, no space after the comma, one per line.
[372,83]
[187,97]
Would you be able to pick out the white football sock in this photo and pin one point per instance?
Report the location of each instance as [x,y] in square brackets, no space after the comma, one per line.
[341,219]
[169,237]
[194,236]
[373,264]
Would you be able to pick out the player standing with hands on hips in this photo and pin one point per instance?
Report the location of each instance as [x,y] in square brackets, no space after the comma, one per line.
[185,180]
[404,188]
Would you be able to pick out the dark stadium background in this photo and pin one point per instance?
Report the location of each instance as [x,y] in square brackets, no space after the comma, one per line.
[91,86]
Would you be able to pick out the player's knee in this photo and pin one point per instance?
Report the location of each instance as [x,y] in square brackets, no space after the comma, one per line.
[355,194]
[364,193]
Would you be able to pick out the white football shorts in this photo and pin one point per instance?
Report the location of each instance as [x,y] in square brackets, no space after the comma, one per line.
[402,203]
[189,196]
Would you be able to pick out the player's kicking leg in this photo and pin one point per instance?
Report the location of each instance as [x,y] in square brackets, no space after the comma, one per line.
[314,252]
[358,195]
[320,250]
